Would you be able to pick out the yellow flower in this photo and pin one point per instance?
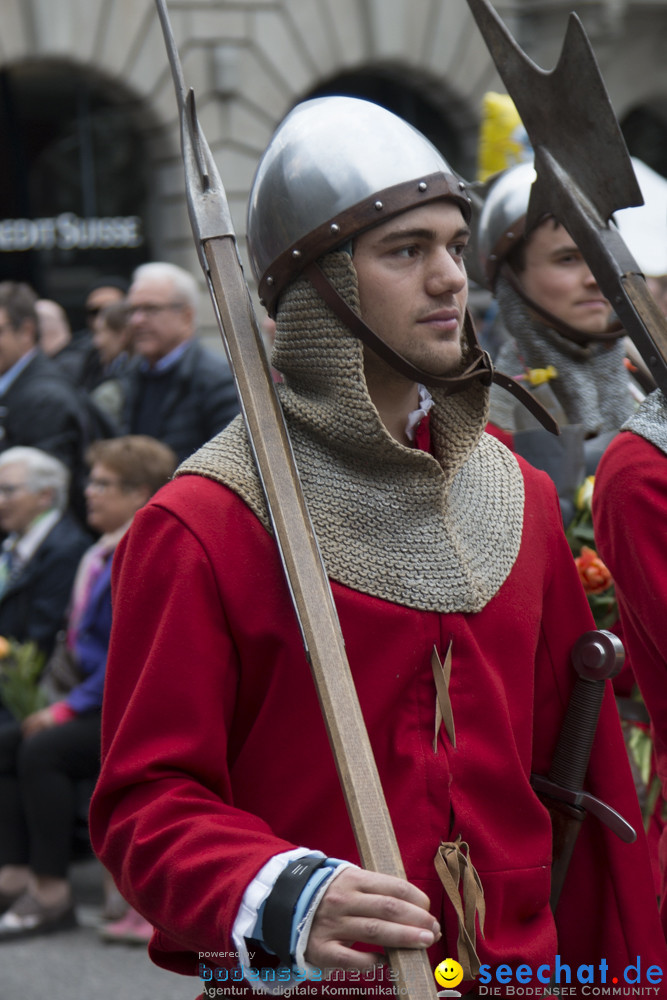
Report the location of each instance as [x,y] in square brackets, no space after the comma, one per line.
[5,647]
[538,376]
[584,494]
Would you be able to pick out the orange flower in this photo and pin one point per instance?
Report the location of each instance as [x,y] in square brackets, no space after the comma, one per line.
[593,573]
[5,648]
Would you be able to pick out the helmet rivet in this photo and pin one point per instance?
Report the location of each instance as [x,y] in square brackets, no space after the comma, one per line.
[269,280]
[335,228]
[462,186]
[379,206]
[296,254]
[423,185]
[509,235]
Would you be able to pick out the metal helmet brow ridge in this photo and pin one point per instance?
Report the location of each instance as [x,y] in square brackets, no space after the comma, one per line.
[336,166]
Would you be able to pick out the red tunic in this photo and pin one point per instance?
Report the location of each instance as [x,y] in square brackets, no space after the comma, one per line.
[216,757]
[629,512]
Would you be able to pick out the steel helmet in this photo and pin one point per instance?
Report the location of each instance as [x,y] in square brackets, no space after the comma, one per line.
[336,166]
[502,219]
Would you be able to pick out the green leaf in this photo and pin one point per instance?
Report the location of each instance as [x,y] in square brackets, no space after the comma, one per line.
[20,671]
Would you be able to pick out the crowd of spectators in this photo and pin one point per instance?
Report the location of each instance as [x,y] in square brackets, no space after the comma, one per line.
[92,423]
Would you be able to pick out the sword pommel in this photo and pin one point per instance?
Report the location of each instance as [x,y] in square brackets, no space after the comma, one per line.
[598,655]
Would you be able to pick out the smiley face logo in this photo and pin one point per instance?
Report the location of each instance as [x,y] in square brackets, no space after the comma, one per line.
[449,973]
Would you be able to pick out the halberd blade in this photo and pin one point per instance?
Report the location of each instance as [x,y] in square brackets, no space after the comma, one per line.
[568,111]
[584,170]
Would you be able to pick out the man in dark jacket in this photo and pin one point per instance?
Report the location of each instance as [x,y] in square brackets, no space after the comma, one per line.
[39,406]
[179,392]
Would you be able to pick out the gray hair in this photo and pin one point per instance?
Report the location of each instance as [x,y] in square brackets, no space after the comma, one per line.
[184,284]
[43,472]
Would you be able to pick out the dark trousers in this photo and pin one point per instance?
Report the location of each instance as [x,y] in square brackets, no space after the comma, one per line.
[38,791]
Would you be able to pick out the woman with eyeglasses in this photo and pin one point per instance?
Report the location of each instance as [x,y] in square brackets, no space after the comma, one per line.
[43,758]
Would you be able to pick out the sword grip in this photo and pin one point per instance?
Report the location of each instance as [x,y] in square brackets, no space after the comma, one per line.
[596,656]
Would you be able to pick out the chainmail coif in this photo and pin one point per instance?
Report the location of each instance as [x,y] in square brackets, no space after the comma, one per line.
[438,534]
[592,382]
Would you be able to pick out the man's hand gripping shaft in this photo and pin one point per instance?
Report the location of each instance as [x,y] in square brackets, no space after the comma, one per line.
[369,908]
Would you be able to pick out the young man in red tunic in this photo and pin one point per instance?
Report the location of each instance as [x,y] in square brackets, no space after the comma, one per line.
[217,773]
[629,505]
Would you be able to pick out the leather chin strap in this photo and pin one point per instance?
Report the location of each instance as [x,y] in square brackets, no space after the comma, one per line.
[481,367]
[613,332]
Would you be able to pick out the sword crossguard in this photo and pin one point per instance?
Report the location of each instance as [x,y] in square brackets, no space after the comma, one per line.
[585,802]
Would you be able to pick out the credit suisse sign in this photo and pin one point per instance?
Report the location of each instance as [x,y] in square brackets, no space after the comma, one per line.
[68,231]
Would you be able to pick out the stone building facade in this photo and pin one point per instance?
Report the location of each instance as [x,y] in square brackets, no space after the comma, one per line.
[92,179]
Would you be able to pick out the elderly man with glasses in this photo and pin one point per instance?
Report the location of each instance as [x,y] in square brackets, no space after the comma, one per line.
[179,393]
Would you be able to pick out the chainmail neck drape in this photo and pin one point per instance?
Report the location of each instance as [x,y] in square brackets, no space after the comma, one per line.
[437,532]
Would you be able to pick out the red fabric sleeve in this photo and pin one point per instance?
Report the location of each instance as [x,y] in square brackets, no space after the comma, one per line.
[166,756]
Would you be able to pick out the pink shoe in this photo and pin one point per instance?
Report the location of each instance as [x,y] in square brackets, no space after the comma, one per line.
[130,929]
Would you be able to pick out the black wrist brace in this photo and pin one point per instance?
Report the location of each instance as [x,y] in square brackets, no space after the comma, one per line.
[279,907]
